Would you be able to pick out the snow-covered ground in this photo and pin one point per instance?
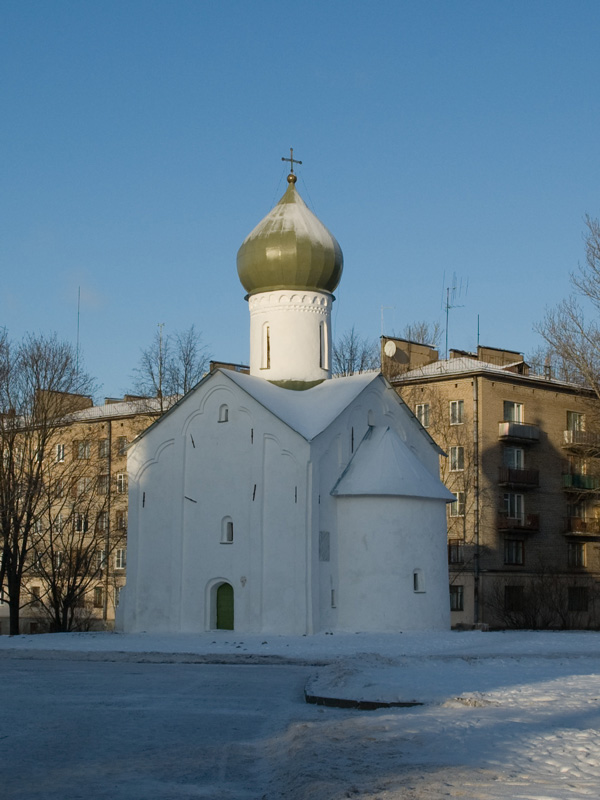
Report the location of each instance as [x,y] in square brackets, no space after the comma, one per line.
[504,715]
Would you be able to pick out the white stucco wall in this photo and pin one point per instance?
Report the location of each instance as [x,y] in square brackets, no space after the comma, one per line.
[250,469]
[294,320]
[191,471]
[382,542]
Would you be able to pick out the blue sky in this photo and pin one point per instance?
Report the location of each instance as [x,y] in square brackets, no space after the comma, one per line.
[142,141]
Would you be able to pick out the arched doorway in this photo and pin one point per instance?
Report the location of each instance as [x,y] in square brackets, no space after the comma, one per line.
[225,607]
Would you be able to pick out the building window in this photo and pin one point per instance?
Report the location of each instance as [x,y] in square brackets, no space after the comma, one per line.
[575,421]
[100,559]
[455,551]
[457,459]
[223,413]
[58,560]
[121,445]
[514,551]
[324,546]
[513,457]
[514,506]
[457,412]
[117,595]
[422,414]
[81,523]
[513,598]
[121,520]
[457,507]
[513,412]
[456,598]
[83,450]
[60,453]
[122,483]
[103,448]
[98,597]
[324,345]
[418,581]
[120,558]
[103,483]
[83,486]
[226,530]
[102,521]
[576,554]
[36,595]
[578,599]
[265,362]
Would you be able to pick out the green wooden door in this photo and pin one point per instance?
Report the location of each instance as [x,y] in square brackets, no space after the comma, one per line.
[225,607]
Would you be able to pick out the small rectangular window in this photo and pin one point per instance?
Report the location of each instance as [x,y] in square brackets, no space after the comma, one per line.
[455,551]
[121,520]
[457,459]
[103,448]
[98,597]
[456,598]
[514,551]
[121,445]
[324,546]
[514,506]
[513,412]
[81,523]
[102,521]
[576,554]
[513,457]
[578,599]
[422,414]
[122,483]
[120,558]
[103,484]
[575,421]
[83,450]
[457,412]
[457,508]
[60,453]
[513,598]
[99,559]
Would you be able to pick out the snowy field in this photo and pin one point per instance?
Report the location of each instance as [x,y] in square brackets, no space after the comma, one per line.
[221,716]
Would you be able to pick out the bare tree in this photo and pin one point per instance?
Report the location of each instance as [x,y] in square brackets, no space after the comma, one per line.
[353,354]
[171,366]
[40,383]
[423,332]
[574,340]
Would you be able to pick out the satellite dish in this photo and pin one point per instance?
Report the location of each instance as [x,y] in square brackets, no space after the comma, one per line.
[390,349]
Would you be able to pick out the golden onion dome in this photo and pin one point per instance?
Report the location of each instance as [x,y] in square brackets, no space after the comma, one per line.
[290,249]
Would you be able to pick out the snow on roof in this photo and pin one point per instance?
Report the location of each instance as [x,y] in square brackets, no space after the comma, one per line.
[146,405]
[455,366]
[385,465]
[308,412]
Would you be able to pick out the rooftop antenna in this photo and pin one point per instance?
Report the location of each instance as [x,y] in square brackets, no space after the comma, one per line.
[452,293]
[384,308]
[78,315]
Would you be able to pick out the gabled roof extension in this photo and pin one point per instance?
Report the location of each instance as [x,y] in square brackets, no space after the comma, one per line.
[385,465]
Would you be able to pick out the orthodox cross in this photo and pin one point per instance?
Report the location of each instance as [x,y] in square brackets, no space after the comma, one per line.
[291,159]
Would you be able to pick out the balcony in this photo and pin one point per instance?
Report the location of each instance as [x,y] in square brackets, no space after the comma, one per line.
[522,478]
[518,432]
[581,483]
[527,522]
[581,439]
[583,527]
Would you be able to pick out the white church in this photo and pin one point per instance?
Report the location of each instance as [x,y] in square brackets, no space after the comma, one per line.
[287,501]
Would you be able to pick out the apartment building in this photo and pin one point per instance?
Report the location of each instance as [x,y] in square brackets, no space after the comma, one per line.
[80,536]
[523,461]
